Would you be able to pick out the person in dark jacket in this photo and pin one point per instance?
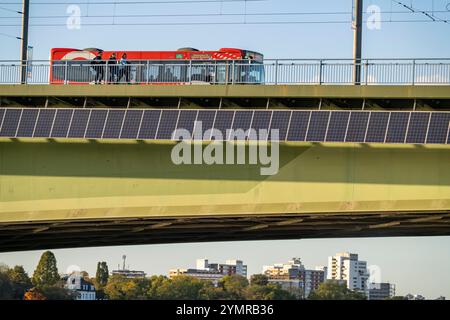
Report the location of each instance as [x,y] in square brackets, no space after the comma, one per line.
[112,65]
[98,66]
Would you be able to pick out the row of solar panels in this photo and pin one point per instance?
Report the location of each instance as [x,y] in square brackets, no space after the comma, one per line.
[314,126]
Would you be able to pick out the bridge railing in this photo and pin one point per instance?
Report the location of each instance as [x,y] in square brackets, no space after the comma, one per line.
[271,72]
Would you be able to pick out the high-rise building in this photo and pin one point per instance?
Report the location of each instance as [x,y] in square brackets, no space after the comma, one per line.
[380,291]
[346,266]
[293,275]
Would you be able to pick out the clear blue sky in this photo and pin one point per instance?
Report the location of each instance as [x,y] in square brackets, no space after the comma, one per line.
[416,265]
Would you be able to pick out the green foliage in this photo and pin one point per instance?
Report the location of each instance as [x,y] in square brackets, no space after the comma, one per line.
[20,280]
[181,288]
[121,288]
[6,287]
[259,279]
[58,293]
[46,273]
[333,290]
[235,286]
[102,275]
[397,298]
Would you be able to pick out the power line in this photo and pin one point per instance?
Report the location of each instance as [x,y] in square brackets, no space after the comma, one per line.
[215,23]
[426,13]
[11,10]
[10,36]
[132,2]
[207,15]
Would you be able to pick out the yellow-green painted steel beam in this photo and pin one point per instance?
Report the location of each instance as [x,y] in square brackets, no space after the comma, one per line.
[231,91]
[43,180]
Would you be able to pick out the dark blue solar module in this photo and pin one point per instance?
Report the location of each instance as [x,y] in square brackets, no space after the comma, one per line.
[44,123]
[260,125]
[397,127]
[280,122]
[62,122]
[113,124]
[131,124]
[223,122]
[27,122]
[337,127]
[167,124]
[79,122]
[2,113]
[298,125]
[318,126]
[357,126]
[186,121]
[206,118]
[418,125]
[241,125]
[437,133]
[377,126]
[96,124]
[149,124]
[10,122]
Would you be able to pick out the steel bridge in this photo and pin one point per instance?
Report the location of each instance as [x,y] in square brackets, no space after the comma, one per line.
[90,165]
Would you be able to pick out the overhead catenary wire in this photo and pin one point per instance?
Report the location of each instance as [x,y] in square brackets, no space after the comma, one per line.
[208,15]
[429,14]
[131,2]
[213,23]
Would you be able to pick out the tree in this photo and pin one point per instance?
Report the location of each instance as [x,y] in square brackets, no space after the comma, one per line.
[268,292]
[34,294]
[334,290]
[234,285]
[121,288]
[46,273]
[102,275]
[181,288]
[6,287]
[259,279]
[20,280]
[58,293]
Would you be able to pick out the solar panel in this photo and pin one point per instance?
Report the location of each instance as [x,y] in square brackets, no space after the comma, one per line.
[261,121]
[113,124]
[318,126]
[2,114]
[437,133]
[280,122]
[149,124]
[357,126]
[96,124]
[27,122]
[44,123]
[79,122]
[167,124]
[397,127]
[338,126]
[206,117]
[223,122]
[131,124]
[377,127]
[10,122]
[298,125]
[62,123]
[418,125]
[186,121]
[241,124]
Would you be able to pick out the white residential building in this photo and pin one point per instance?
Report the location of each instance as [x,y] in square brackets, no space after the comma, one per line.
[346,267]
[84,289]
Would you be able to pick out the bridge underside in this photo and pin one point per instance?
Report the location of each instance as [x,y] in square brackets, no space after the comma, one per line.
[134,231]
[60,193]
